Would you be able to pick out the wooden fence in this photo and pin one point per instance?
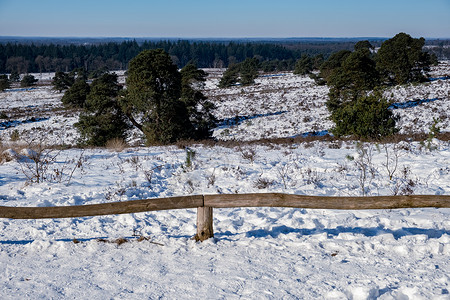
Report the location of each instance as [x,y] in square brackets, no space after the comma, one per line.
[206,203]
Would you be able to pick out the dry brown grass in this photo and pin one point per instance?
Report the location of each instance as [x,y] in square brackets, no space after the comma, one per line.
[116,145]
[5,155]
[122,240]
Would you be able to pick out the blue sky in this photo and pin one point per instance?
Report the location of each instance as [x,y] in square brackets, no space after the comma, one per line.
[225,18]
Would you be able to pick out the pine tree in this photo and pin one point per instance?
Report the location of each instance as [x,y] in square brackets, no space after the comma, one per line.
[355,107]
[333,62]
[249,71]
[368,116]
[154,95]
[62,81]
[230,76]
[198,106]
[14,76]
[355,77]
[28,80]
[4,82]
[304,65]
[77,94]
[401,60]
[102,118]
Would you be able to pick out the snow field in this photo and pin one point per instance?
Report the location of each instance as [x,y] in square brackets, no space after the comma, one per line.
[257,253]
[279,261]
[278,106]
[262,253]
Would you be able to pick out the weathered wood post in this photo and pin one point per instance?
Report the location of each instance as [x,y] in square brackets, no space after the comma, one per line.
[204,223]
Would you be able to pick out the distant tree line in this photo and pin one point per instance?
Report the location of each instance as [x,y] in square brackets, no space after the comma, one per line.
[32,58]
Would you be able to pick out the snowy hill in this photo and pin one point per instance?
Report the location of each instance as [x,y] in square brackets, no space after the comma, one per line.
[257,253]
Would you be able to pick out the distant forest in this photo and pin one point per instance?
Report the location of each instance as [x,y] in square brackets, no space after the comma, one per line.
[25,57]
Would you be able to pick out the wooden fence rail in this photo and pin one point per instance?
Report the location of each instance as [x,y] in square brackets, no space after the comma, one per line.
[206,203]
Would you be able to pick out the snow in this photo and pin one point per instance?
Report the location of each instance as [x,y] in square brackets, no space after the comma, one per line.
[257,253]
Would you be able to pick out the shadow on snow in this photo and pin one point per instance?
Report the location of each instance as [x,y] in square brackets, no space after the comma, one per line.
[275,232]
[411,103]
[239,119]
[9,124]
[333,232]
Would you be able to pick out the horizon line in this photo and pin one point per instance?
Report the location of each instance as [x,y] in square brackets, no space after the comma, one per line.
[206,37]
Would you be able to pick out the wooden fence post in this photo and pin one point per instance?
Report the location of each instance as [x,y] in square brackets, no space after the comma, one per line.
[204,223]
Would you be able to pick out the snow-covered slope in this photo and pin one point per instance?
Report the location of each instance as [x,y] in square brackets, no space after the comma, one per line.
[257,253]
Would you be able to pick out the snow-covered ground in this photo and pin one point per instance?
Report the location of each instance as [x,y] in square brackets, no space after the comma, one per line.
[257,253]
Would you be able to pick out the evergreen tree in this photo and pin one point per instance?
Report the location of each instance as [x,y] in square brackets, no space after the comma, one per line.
[249,71]
[354,78]
[318,61]
[355,108]
[401,60]
[154,94]
[62,81]
[363,45]
[28,80]
[4,82]
[77,94]
[269,66]
[333,62]
[304,65]
[14,76]
[102,118]
[198,106]
[230,76]
[98,73]
[245,73]
[79,73]
[368,116]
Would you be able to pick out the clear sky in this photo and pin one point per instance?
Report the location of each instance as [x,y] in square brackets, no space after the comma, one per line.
[224,18]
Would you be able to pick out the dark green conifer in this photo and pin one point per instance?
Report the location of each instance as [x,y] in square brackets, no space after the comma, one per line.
[102,118]
[249,71]
[401,60]
[76,95]
[62,81]
[153,102]
[28,80]
[4,82]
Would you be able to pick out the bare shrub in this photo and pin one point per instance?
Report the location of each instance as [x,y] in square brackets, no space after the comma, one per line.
[39,162]
[149,173]
[248,154]
[135,161]
[211,179]
[283,171]
[313,177]
[391,163]
[190,186]
[7,155]
[263,183]
[35,162]
[403,185]
[64,172]
[363,163]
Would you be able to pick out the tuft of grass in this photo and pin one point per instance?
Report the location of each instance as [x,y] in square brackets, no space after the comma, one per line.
[122,240]
[263,183]
[118,241]
[116,145]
